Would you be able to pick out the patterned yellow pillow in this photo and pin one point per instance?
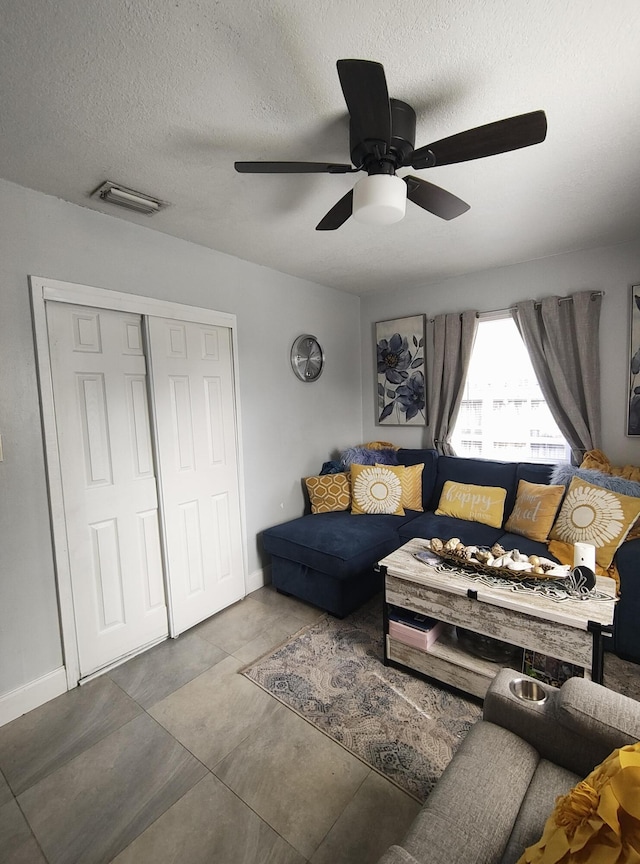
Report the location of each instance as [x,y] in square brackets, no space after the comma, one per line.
[329,492]
[474,503]
[596,459]
[535,509]
[376,489]
[411,478]
[591,514]
[598,820]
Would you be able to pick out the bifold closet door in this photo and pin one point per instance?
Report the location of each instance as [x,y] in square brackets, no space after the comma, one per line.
[108,481]
[195,425]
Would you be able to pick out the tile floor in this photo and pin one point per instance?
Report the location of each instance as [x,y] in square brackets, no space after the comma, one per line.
[174,757]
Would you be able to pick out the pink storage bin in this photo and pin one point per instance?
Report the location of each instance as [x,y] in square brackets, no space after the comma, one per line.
[421,639]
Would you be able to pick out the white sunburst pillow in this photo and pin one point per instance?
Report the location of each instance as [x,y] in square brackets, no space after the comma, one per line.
[591,514]
[375,489]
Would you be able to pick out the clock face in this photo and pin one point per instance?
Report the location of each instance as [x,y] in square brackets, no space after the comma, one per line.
[307,358]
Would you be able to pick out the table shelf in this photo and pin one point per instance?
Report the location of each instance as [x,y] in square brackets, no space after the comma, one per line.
[446,661]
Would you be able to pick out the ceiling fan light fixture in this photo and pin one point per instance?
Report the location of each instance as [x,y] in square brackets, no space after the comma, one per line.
[379,199]
[114,193]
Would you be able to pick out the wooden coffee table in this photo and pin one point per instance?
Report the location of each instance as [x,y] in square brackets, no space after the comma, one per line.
[570,630]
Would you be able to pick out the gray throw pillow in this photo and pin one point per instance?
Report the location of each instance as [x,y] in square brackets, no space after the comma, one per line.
[564,474]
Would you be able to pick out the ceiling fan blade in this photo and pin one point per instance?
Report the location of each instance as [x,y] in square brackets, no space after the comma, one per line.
[365,91]
[434,199]
[499,137]
[292,168]
[338,214]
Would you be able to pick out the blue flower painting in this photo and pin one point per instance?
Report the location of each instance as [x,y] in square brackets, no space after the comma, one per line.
[633,419]
[401,371]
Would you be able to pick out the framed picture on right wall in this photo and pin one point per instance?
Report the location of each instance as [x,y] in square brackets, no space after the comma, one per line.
[633,407]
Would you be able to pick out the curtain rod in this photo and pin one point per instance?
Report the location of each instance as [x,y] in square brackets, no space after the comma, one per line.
[537,305]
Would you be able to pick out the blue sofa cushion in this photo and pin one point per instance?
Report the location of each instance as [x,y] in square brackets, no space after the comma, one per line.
[429,458]
[627,614]
[533,472]
[479,472]
[428,525]
[336,543]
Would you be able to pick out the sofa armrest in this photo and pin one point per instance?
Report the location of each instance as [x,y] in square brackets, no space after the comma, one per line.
[576,727]
[397,855]
[625,632]
[598,714]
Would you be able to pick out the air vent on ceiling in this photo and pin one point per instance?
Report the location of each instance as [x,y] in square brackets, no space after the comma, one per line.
[114,193]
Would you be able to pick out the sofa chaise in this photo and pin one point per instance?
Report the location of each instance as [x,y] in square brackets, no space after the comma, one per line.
[494,797]
[329,559]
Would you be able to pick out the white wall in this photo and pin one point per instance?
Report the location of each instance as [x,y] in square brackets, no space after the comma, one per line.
[612,269]
[289,428]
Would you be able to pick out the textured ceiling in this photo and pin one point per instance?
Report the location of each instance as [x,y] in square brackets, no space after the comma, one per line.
[164,95]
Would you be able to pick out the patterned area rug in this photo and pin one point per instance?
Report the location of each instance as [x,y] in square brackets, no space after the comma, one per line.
[331,674]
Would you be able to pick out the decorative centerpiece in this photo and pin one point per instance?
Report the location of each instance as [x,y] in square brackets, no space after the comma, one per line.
[497,561]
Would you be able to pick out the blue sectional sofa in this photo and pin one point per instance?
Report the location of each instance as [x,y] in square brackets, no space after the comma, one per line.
[328,559]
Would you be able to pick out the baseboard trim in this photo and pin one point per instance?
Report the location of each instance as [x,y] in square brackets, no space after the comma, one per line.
[23,699]
[257,579]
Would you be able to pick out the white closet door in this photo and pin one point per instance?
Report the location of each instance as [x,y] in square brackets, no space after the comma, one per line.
[108,481]
[193,398]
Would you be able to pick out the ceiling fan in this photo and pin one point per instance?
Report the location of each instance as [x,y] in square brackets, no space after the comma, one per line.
[382,135]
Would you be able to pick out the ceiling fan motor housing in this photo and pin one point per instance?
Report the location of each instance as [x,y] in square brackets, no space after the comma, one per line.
[364,154]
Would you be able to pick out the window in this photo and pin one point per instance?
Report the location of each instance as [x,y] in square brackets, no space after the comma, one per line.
[469,448]
[503,414]
[470,417]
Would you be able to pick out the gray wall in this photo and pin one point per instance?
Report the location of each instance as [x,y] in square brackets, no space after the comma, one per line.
[611,269]
[288,427]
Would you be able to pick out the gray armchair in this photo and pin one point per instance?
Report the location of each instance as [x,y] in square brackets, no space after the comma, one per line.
[495,795]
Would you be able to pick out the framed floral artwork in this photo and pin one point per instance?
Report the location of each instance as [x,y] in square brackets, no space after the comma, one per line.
[401,380]
[633,412]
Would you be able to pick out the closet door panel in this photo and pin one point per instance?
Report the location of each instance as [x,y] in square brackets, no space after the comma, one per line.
[193,397]
[109,486]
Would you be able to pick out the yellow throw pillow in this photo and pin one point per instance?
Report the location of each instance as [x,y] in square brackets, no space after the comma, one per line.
[598,820]
[376,489]
[411,478]
[535,509]
[329,492]
[474,503]
[590,514]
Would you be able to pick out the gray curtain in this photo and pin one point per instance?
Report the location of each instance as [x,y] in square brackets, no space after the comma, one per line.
[453,337]
[561,335]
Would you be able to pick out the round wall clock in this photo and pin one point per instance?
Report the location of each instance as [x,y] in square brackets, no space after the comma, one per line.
[307,358]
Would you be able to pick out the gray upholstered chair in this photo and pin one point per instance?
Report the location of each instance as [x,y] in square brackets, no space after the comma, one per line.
[494,797]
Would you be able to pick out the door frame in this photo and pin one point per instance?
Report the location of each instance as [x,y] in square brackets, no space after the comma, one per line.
[43,290]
